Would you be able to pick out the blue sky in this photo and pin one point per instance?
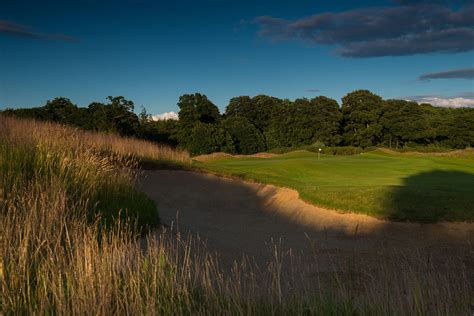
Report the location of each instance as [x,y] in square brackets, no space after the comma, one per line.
[154,51]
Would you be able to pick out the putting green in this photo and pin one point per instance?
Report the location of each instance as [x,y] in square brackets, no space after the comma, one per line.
[422,188]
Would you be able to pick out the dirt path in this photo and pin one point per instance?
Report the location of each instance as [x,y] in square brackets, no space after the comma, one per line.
[237,218]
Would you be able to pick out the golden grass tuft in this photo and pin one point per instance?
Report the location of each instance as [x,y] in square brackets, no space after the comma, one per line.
[59,137]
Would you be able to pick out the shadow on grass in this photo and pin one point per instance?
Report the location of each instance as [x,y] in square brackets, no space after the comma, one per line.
[434,196]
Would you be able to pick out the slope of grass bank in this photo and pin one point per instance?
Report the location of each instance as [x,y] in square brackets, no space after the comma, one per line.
[92,170]
[413,187]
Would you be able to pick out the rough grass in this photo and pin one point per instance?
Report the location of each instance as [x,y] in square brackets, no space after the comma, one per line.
[56,258]
[416,187]
[95,170]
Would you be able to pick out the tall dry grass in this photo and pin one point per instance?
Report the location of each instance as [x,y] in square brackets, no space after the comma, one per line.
[95,169]
[56,258]
[59,137]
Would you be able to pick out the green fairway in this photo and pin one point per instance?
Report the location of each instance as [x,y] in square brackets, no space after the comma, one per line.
[403,187]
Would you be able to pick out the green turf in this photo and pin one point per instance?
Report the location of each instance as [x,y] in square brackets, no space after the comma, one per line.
[416,188]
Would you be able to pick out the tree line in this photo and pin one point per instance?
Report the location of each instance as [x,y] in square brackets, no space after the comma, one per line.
[260,123]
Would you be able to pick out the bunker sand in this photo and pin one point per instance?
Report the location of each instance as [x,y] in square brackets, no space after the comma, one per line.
[237,218]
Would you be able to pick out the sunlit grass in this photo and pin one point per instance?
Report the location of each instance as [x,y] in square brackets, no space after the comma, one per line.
[421,187]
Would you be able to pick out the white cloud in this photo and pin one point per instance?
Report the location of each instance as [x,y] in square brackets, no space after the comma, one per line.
[165,116]
[448,102]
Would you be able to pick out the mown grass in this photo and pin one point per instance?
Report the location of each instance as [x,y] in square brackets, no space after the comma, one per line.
[416,187]
[58,185]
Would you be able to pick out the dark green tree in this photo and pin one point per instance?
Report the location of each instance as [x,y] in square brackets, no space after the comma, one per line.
[361,110]
[194,108]
[116,116]
[304,122]
[291,125]
[246,137]
[459,128]
[60,110]
[327,121]
[36,113]
[161,131]
[258,110]
[197,107]
[208,138]
[405,122]
[125,122]
[100,116]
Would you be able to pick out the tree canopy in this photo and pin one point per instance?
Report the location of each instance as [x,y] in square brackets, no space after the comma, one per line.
[361,111]
[255,124]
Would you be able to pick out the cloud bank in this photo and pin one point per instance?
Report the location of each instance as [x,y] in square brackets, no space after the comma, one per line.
[18,30]
[412,27]
[165,116]
[465,73]
[449,102]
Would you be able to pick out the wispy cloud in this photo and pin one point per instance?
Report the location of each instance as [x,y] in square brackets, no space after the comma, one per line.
[412,27]
[465,73]
[313,90]
[165,116]
[459,101]
[19,30]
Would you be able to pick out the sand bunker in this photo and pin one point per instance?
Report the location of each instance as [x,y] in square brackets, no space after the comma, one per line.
[238,218]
